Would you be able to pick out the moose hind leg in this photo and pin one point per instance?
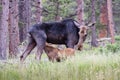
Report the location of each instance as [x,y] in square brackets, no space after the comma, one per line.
[31,45]
[40,39]
[39,52]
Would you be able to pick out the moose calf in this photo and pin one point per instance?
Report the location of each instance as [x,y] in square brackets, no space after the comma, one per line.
[57,54]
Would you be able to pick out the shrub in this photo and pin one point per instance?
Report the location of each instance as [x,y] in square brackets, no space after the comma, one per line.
[113,47]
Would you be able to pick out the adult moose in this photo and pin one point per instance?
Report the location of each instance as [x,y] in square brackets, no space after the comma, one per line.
[64,32]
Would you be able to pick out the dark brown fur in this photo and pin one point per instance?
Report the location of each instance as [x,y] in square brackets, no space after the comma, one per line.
[63,32]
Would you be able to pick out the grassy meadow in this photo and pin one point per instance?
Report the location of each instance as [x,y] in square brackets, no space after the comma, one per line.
[102,63]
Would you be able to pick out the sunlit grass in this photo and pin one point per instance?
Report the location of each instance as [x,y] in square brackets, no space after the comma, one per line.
[85,65]
[89,64]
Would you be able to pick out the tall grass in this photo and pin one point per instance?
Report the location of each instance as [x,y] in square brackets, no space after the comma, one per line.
[81,67]
[95,64]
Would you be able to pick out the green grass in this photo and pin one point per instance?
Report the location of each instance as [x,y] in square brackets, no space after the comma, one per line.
[82,66]
[102,63]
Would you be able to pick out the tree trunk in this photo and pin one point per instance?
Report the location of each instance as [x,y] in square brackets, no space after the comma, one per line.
[103,32]
[110,20]
[38,11]
[4,15]
[13,28]
[94,42]
[28,13]
[103,14]
[24,18]
[57,17]
[80,11]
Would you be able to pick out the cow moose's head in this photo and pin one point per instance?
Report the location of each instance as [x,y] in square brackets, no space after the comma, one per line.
[82,34]
[83,29]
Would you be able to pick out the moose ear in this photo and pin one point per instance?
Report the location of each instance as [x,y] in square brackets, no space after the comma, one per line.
[77,24]
[91,24]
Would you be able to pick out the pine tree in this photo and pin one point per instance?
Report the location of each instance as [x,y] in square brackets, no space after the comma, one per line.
[80,11]
[38,12]
[110,20]
[24,18]
[94,41]
[4,15]
[13,28]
